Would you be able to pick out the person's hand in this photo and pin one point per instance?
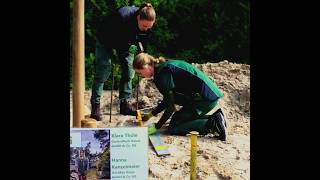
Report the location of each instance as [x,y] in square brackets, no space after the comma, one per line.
[146,117]
[133,49]
[152,129]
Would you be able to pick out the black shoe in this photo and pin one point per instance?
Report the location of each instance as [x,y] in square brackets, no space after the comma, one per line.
[95,112]
[127,109]
[219,125]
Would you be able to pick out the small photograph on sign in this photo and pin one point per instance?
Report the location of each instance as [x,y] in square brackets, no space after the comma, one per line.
[89,154]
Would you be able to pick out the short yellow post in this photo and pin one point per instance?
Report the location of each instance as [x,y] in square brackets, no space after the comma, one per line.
[193,166]
[139,118]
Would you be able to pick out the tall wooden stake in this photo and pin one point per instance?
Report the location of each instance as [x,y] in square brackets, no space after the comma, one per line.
[78,63]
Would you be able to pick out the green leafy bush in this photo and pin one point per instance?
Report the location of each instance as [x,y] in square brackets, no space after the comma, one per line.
[196,31]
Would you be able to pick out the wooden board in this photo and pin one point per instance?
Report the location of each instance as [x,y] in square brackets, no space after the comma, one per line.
[159,146]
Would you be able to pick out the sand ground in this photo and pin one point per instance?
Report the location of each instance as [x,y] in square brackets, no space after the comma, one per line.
[215,159]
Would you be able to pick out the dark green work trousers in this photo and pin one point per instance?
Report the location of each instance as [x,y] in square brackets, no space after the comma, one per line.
[103,69]
[192,116]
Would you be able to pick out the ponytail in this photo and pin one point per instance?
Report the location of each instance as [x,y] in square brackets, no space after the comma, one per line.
[160,59]
[145,5]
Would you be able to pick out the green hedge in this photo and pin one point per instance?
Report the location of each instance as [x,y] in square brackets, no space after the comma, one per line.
[197,31]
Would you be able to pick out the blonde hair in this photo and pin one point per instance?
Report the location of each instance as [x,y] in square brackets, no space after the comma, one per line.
[147,12]
[143,59]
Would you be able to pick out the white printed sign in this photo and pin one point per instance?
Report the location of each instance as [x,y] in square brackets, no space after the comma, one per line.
[111,153]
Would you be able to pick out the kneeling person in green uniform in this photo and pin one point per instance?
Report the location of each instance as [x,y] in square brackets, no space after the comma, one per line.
[183,84]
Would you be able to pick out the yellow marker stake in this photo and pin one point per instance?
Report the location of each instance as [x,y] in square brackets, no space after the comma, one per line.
[193,165]
[140,118]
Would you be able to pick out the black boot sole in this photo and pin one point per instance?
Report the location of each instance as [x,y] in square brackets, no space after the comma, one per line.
[221,126]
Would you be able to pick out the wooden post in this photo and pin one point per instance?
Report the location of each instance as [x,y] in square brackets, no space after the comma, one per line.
[89,123]
[78,63]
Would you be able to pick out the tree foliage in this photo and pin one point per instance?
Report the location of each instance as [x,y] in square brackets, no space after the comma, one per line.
[103,137]
[103,164]
[196,31]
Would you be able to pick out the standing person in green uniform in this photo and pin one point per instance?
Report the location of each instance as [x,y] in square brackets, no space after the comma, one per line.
[127,31]
[183,84]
